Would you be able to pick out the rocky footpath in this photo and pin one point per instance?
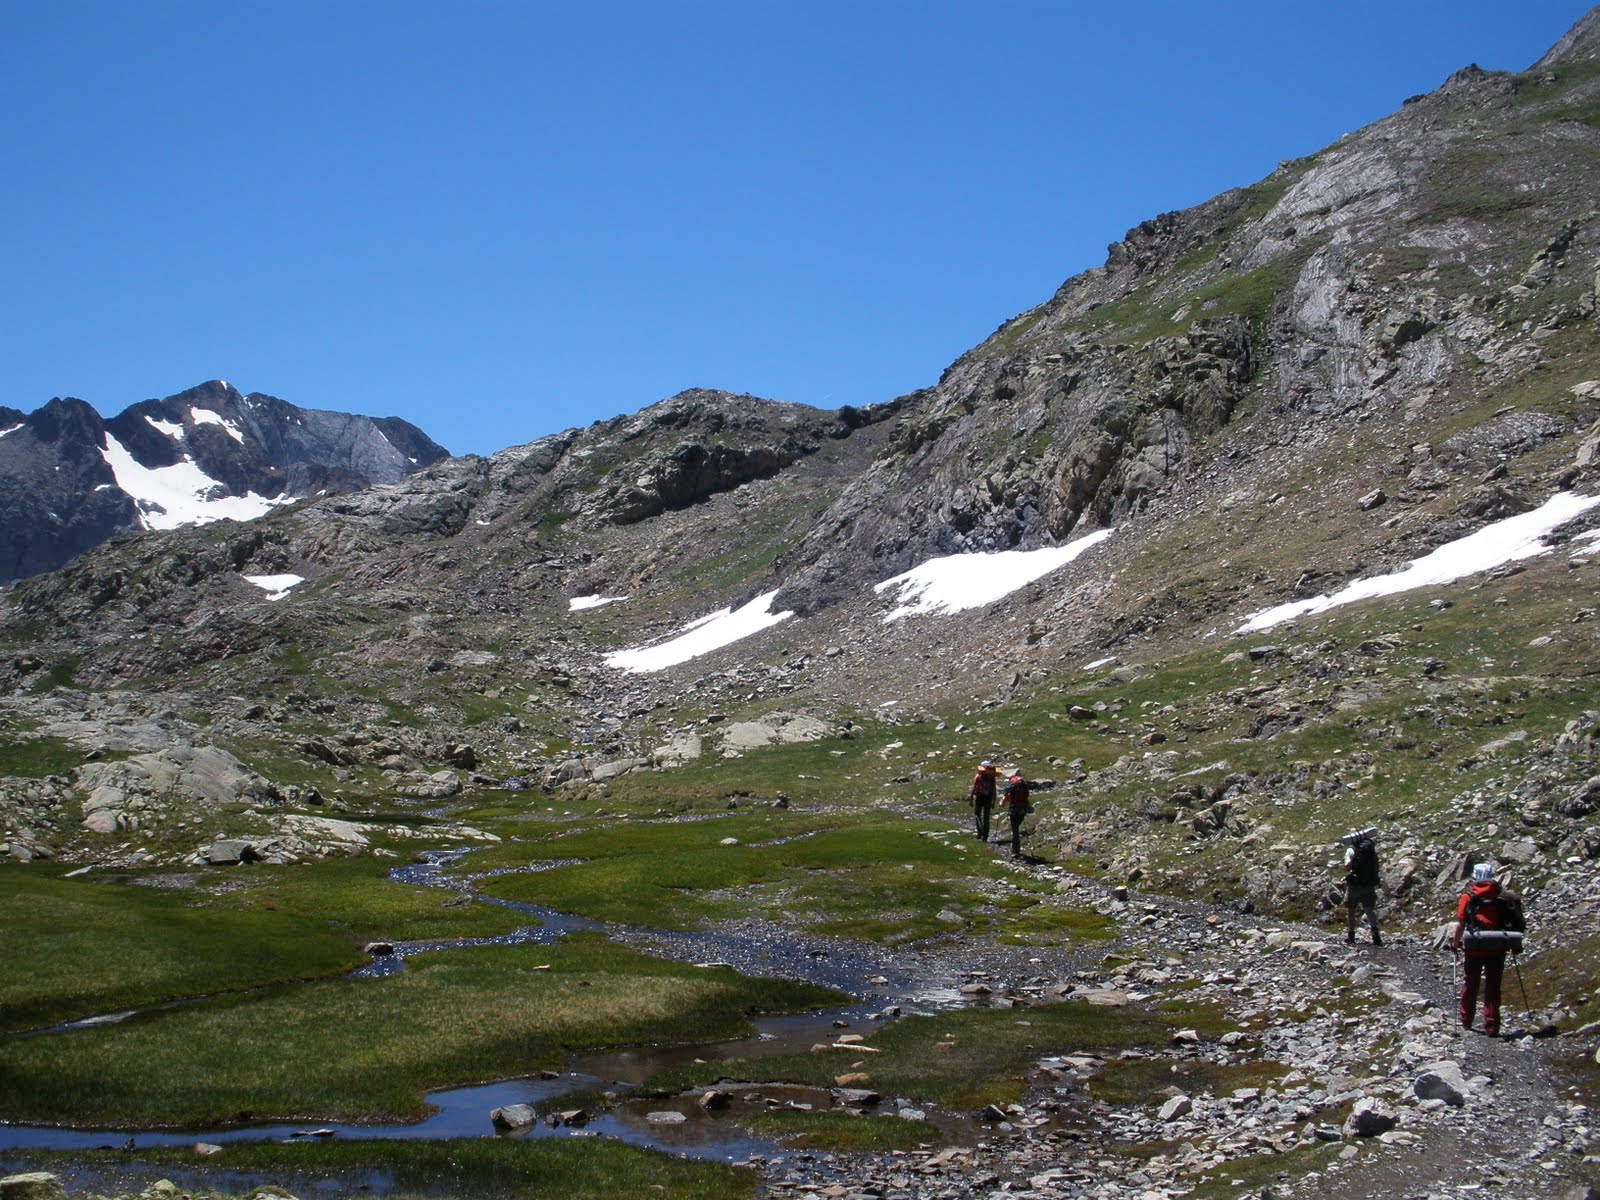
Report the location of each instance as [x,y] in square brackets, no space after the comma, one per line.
[1341,1074]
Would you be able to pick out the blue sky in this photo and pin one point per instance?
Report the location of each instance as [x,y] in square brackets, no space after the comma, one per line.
[498,220]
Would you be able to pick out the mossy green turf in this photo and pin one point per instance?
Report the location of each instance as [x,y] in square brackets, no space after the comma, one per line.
[961,1060]
[843,1132]
[366,1049]
[464,1169]
[37,757]
[74,948]
[357,897]
[863,873]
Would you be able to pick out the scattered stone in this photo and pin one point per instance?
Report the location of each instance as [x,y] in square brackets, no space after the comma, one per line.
[513,1116]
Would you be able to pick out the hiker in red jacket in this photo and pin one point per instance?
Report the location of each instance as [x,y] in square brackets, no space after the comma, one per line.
[1484,908]
[1017,807]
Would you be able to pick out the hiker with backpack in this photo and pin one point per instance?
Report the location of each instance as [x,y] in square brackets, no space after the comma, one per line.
[1017,807]
[1361,880]
[1489,923]
[981,796]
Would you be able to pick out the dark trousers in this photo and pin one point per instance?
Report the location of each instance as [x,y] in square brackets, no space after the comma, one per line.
[980,818]
[1016,831]
[1488,970]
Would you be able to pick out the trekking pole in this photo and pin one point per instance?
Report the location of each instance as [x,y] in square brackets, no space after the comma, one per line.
[1516,965]
[1455,998]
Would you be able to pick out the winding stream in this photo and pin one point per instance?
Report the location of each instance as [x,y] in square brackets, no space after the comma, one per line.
[464,1112]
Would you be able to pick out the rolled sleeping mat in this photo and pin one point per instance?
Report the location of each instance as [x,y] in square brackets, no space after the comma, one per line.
[1492,939]
[1350,839]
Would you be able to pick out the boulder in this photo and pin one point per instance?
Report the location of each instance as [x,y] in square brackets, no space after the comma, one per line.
[32,1185]
[513,1116]
[228,851]
[1442,1081]
[684,748]
[856,1097]
[1370,1117]
[1177,1106]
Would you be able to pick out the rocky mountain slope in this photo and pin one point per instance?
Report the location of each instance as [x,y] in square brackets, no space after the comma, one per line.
[70,479]
[1374,351]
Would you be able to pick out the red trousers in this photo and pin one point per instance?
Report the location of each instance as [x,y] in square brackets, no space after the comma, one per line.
[1488,970]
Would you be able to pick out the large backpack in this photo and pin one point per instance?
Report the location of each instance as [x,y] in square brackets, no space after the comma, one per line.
[1492,914]
[1017,796]
[1364,864]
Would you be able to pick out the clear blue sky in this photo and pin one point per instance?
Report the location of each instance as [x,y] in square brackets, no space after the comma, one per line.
[498,220]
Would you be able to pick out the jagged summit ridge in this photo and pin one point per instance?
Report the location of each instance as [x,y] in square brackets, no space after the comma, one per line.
[69,478]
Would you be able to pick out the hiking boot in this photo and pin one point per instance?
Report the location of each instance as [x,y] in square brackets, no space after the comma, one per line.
[1376,940]
[1349,939]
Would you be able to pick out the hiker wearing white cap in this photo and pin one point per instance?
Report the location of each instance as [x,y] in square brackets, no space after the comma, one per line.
[1485,914]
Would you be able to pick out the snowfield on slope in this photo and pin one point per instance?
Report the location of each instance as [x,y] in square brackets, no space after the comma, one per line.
[276,586]
[182,494]
[940,585]
[721,628]
[1514,538]
[958,582]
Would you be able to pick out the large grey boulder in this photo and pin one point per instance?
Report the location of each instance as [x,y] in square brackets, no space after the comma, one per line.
[32,1185]
[225,852]
[1370,1117]
[1443,1081]
[513,1116]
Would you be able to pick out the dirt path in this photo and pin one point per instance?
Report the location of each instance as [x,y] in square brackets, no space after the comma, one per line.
[1355,1026]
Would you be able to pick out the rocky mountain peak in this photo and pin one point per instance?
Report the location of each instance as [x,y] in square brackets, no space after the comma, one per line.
[70,478]
[1581,43]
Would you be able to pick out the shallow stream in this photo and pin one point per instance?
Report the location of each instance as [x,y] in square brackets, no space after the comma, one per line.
[464,1112]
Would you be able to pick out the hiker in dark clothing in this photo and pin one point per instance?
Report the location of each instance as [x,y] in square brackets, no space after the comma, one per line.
[1017,807]
[981,796]
[1361,880]
[1484,915]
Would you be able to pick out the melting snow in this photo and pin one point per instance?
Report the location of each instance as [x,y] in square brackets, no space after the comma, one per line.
[961,581]
[204,416]
[1591,541]
[721,628]
[181,494]
[13,429]
[171,428]
[1504,541]
[276,586]
[579,603]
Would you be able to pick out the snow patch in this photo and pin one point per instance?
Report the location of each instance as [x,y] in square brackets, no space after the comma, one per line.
[1591,540]
[204,416]
[1514,538]
[9,432]
[961,581]
[171,429]
[275,586]
[182,494]
[721,628]
[579,603]
[1099,662]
